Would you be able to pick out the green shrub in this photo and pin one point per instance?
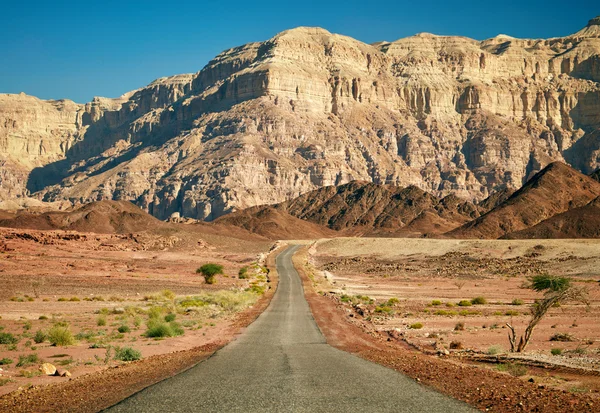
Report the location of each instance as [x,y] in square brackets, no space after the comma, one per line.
[384,309]
[43,317]
[479,301]
[39,337]
[27,360]
[436,302]
[61,299]
[60,336]
[445,312]
[170,317]
[74,299]
[513,369]
[465,303]
[392,301]
[123,329]
[416,326]
[7,338]
[511,313]
[101,321]
[449,304]
[493,350]
[517,301]
[210,271]
[243,273]
[556,351]
[127,354]
[5,361]
[158,329]
[460,326]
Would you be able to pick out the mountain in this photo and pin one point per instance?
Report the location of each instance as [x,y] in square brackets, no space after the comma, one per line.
[266,122]
[357,208]
[582,222]
[556,189]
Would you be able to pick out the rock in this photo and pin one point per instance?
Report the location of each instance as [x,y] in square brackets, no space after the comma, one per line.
[48,369]
[266,122]
[118,310]
[63,373]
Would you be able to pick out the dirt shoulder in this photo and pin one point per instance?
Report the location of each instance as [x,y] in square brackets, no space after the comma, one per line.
[99,390]
[482,388]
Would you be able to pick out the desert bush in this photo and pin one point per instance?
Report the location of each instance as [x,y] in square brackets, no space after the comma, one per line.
[123,329]
[556,351]
[243,273]
[464,303]
[159,329]
[127,354]
[416,326]
[60,335]
[39,337]
[565,337]
[436,302]
[43,317]
[8,338]
[101,321]
[460,326]
[445,312]
[27,360]
[168,294]
[493,350]
[479,301]
[511,313]
[210,271]
[61,299]
[384,309]
[456,345]
[517,301]
[449,304]
[513,369]
[392,301]
[74,299]
[5,361]
[170,317]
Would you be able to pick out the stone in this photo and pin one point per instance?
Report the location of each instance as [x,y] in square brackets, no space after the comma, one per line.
[48,369]
[268,121]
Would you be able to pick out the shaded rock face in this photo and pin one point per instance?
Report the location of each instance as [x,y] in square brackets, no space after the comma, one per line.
[266,122]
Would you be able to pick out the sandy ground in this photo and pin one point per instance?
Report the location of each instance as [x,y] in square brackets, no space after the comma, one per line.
[430,277]
[96,284]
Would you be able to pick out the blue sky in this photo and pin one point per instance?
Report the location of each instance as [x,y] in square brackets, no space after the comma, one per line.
[77,50]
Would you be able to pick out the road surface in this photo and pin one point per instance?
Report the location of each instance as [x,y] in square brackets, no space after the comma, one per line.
[281,363]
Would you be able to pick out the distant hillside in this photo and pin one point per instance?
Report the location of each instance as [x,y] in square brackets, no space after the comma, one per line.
[582,222]
[556,189]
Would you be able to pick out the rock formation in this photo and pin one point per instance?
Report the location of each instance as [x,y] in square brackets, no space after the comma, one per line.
[266,122]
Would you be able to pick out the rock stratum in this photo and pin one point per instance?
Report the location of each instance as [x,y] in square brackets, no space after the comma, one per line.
[266,122]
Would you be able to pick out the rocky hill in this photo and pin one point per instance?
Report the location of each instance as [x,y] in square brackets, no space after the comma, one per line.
[265,122]
[554,190]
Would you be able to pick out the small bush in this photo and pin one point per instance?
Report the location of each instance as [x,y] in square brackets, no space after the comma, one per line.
[101,321]
[159,329]
[384,309]
[513,369]
[456,345]
[493,350]
[43,317]
[565,337]
[511,313]
[210,271]
[392,302]
[556,351]
[450,305]
[479,301]
[61,299]
[170,317]
[465,303]
[7,338]
[27,360]
[39,337]
[5,361]
[74,299]
[517,301]
[243,273]
[60,336]
[416,326]
[127,354]
[460,326]
[436,302]
[123,329]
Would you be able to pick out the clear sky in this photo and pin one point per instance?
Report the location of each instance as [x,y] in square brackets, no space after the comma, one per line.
[77,50]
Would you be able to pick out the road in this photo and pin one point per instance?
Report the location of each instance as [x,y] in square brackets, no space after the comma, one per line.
[281,363]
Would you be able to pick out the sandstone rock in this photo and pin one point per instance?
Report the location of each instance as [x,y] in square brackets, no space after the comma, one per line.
[63,373]
[48,369]
[266,122]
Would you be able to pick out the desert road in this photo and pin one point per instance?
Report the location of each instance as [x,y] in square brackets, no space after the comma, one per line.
[281,363]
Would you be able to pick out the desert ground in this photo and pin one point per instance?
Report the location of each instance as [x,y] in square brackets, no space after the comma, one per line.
[100,293]
[423,293]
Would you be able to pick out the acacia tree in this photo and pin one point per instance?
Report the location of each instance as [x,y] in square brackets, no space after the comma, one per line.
[556,290]
[209,271]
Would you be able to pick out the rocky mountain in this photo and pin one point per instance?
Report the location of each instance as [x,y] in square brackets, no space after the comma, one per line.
[265,122]
[554,190]
[359,208]
[582,222]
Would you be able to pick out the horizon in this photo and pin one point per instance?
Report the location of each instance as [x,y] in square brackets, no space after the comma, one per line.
[78,53]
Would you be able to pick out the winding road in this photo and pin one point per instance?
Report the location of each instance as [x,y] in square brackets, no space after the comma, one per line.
[281,363]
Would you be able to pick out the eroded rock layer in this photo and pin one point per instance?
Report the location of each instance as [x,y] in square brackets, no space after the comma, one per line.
[266,122]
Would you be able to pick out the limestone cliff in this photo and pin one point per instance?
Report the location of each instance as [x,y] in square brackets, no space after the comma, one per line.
[265,122]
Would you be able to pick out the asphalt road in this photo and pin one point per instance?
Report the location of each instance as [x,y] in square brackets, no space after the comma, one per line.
[281,363]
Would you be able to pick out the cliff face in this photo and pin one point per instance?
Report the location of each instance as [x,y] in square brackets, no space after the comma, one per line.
[265,122]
